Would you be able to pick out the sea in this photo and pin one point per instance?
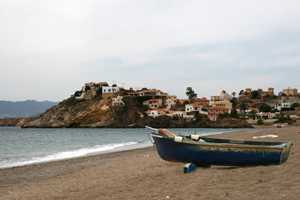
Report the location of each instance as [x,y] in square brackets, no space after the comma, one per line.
[19,147]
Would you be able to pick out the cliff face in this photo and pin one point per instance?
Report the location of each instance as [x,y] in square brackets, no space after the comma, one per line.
[93,113]
[74,113]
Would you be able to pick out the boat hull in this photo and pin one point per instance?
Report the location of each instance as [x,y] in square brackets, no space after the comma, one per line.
[221,154]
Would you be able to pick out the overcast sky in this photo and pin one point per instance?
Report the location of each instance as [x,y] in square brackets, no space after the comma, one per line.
[50,48]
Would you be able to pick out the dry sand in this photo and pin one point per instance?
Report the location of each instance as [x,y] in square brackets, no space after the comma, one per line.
[141,174]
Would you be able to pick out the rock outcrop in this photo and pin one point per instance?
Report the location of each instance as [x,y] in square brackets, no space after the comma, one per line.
[74,113]
[10,121]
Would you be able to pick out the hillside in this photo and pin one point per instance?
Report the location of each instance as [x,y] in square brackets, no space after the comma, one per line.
[73,113]
[11,109]
[98,113]
[99,105]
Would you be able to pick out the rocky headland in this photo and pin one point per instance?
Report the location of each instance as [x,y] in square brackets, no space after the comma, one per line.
[98,105]
[10,121]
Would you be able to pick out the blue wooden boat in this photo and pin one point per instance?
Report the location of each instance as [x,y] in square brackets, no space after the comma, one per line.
[205,151]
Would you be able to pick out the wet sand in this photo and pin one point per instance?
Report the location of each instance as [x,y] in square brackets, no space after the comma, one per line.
[141,174]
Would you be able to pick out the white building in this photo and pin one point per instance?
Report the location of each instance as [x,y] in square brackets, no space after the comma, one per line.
[286,105]
[195,107]
[283,105]
[189,108]
[110,89]
[155,113]
[180,114]
[267,115]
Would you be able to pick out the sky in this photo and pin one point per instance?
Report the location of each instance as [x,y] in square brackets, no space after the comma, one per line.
[50,48]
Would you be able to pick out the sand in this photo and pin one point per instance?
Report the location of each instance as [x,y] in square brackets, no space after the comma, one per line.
[141,174]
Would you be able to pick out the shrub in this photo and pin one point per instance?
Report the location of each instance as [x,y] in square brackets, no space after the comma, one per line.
[295,105]
[265,108]
[285,119]
[260,122]
[255,94]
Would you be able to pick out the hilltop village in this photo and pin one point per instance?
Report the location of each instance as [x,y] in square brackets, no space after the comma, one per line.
[249,103]
[104,105]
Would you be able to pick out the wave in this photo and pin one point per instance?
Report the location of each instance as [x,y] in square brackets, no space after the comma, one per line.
[68,154]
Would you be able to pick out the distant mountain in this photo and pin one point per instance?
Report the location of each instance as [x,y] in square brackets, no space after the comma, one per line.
[28,108]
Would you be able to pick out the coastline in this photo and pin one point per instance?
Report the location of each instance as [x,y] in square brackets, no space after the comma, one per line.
[90,152]
[128,174]
[100,149]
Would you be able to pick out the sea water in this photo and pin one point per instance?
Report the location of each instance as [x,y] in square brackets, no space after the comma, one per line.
[20,147]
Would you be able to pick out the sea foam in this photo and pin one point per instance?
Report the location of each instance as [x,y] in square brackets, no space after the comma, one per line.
[68,154]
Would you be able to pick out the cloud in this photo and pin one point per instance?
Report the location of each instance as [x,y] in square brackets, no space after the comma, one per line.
[264,61]
[49,48]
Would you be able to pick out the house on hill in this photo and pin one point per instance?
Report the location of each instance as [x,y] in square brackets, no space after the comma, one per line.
[153,103]
[221,103]
[204,102]
[283,105]
[196,107]
[90,91]
[170,113]
[179,114]
[170,102]
[155,113]
[145,92]
[266,115]
[108,91]
[214,112]
[247,91]
[266,93]
[290,92]
[269,92]
[151,92]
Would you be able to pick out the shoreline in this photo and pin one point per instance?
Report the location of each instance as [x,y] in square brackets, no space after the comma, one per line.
[137,145]
[222,123]
[127,127]
[99,155]
[124,148]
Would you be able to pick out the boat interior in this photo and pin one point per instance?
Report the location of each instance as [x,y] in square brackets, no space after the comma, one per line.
[228,141]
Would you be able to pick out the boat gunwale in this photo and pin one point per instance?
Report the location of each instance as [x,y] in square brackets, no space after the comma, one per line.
[231,145]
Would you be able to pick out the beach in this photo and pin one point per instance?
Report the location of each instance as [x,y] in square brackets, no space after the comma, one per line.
[141,174]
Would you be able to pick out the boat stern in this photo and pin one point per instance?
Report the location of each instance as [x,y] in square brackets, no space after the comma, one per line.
[286,152]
